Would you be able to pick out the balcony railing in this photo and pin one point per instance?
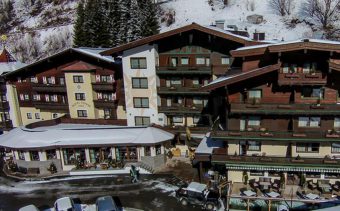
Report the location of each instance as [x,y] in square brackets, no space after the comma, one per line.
[217,156]
[48,88]
[285,109]
[195,109]
[51,105]
[315,78]
[104,86]
[262,134]
[197,69]
[181,90]
[105,103]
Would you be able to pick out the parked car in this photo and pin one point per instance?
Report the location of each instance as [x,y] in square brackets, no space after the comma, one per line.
[106,203]
[197,194]
[64,204]
[30,207]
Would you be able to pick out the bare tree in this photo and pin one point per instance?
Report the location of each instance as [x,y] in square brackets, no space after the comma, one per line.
[282,7]
[324,12]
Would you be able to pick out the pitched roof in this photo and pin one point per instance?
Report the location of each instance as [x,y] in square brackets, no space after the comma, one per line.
[82,66]
[231,79]
[194,26]
[6,57]
[310,44]
[8,63]
[90,52]
[64,135]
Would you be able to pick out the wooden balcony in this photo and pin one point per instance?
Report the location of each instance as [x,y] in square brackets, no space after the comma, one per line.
[104,86]
[274,161]
[105,103]
[261,134]
[285,109]
[51,106]
[183,70]
[180,109]
[48,88]
[4,106]
[175,90]
[317,78]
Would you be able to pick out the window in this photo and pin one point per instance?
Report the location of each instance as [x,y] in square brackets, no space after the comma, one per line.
[138,63]
[29,115]
[200,60]
[174,61]
[36,97]
[195,82]
[142,121]
[254,121]
[254,146]
[254,94]
[107,96]
[141,102]
[78,79]
[55,115]
[147,151]
[34,79]
[21,155]
[27,97]
[309,122]
[306,68]
[158,149]
[197,101]
[225,60]
[256,173]
[80,96]
[62,81]
[37,115]
[72,155]
[34,155]
[50,80]
[309,92]
[105,78]
[82,113]
[185,61]
[337,122]
[335,147]
[177,119]
[307,147]
[176,81]
[4,98]
[285,68]
[196,119]
[139,83]
[51,154]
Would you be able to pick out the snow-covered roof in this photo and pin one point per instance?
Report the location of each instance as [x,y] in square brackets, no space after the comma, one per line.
[64,135]
[94,52]
[11,66]
[290,42]
[207,145]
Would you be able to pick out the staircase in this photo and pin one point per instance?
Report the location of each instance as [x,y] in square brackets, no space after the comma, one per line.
[141,165]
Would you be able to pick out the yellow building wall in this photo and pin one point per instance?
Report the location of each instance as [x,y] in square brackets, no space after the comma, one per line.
[274,148]
[121,113]
[233,146]
[44,115]
[86,88]
[235,176]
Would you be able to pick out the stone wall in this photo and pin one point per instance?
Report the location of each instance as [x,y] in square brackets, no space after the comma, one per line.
[42,165]
[154,162]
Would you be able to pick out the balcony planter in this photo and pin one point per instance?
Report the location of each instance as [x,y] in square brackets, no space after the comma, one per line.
[234,134]
[291,75]
[299,135]
[267,134]
[332,136]
[312,75]
[317,106]
[330,161]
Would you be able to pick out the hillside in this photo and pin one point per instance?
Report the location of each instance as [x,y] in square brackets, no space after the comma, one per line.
[39,29]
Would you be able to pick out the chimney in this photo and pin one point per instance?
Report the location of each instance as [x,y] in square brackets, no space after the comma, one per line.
[220,24]
[258,36]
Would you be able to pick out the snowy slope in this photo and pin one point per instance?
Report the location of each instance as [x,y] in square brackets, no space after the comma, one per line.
[33,37]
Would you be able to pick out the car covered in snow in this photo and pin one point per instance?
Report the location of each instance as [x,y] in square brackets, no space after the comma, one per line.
[64,204]
[198,194]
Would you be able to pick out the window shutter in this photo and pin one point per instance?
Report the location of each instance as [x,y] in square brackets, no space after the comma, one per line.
[36,79]
[19,80]
[38,97]
[47,98]
[22,97]
[114,96]
[112,80]
[44,80]
[97,78]
[53,80]
[99,96]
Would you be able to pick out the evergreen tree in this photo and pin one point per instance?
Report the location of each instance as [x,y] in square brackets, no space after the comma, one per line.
[150,25]
[79,36]
[113,22]
[134,23]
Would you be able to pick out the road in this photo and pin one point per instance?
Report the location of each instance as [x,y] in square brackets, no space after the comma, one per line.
[152,193]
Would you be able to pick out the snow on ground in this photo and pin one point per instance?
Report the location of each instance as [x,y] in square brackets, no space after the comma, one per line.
[199,11]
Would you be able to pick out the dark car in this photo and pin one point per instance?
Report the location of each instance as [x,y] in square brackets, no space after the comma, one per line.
[197,194]
[106,203]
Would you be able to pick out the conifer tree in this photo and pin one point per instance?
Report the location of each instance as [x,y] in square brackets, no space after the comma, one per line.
[113,22]
[79,36]
[150,25]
